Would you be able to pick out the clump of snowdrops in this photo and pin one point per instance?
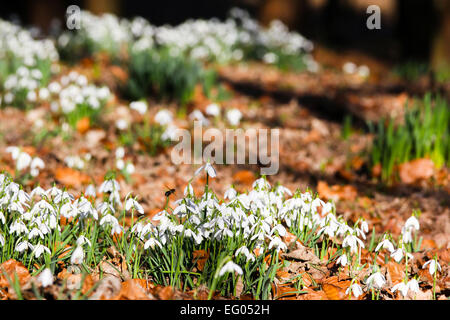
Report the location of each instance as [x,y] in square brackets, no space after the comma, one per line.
[203,240]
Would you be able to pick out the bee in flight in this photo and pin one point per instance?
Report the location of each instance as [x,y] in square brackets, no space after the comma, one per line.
[169,192]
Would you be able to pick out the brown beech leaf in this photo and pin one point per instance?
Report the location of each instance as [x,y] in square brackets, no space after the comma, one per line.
[245,177]
[313,295]
[132,290]
[11,268]
[71,177]
[416,170]
[284,292]
[200,256]
[83,125]
[302,253]
[165,293]
[336,192]
[334,292]
[396,272]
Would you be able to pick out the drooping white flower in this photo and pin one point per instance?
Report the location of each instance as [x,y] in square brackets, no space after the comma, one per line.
[189,190]
[352,241]
[342,260]
[23,161]
[376,280]
[230,194]
[412,223]
[234,117]
[230,267]
[355,289]
[39,249]
[132,203]
[129,168]
[82,240]
[413,286]
[46,278]
[77,255]
[109,219]
[434,265]
[90,191]
[399,253]
[385,244]
[163,117]
[402,287]
[120,152]
[277,243]
[151,243]
[208,168]
[22,246]
[139,106]
[197,115]
[213,110]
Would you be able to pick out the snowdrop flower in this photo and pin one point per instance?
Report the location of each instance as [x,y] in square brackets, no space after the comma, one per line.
[36,164]
[213,110]
[189,190]
[197,115]
[364,226]
[120,164]
[163,117]
[244,250]
[434,265]
[386,244]
[270,58]
[77,255]
[90,191]
[278,244]
[34,233]
[121,124]
[2,240]
[363,71]
[349,67]
[234,117]
[413,286]
[120,152]
[23,161]
[46,278]
[39,249]
[352,241]
[22,246]
[44,93]
[402,287]
[38,191]
[230,194]
[110,185]
[132,203]
[129,168]
[355,289]
[280,229]
[109,220]
[151,243]
[116,229]
[412,223]
[208,168]
[82,240]
[407,235]
[231,267]
[342,260]
[399,253]
[376,280]
[139,106]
